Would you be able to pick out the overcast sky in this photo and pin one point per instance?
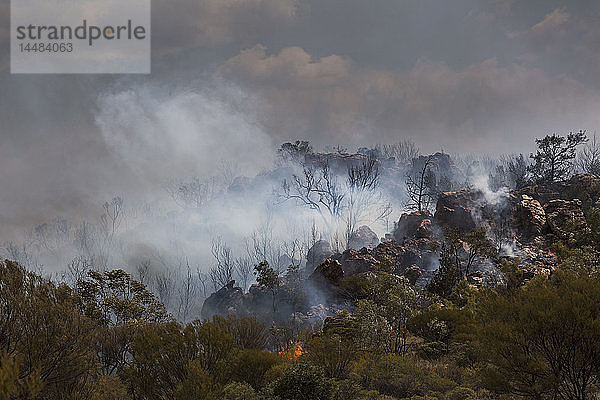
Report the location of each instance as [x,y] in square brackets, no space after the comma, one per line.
[232,79]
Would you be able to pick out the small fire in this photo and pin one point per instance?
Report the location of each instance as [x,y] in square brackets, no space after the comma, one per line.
[552,254]
[293,351]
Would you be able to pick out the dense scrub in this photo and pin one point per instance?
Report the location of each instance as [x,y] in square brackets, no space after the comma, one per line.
[109,338]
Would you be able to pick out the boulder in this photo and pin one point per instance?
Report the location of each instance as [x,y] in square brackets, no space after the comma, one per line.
[476,279]
[455,209]
[531,215]
[425,230]
[565,217]
[322,284]
[317,254]
[363,237]
[416,224]
[356,261]
[413,273]
[227,300]
[330,271]
[259,300]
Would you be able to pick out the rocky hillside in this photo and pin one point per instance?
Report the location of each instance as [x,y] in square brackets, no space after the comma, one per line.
[521,224]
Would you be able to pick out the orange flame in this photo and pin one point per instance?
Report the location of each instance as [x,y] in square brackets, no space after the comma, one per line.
[293,351]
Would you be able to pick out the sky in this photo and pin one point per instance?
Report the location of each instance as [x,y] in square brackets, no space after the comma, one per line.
[233,79]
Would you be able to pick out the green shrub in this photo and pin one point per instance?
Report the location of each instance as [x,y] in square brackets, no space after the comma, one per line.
[303,381]
[238,391]
[392,375]
[432,350]
[250,366]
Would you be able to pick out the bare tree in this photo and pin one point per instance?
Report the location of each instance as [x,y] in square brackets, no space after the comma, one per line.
[143,271]
[187,293]
[243,267]
[195,193]
[113,215]
[110,221]
[262,246]
[41,235]
[165,286]
[293,249]
[222,273]
[262,240]
[363,200]
[317,189]
[355,200]
[501,234]
[339,242]
[22,254]
[203,279]
[418,190]
[403,151]
[85,239]
[588,160]
[52,237]
[365,176]
[62,227]
[511,172]
[76,271]
[518,173]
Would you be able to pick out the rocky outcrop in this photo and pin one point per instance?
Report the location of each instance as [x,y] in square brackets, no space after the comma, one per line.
[227,300]
[363,237]
[526,223]
[565,217]
[416,224]
[417,253]
[329,272]
[356,261]
[455,209]
[317,254]
[534,210]
[584,187]
[531,216]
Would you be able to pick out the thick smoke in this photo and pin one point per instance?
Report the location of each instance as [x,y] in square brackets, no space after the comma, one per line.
[204,190]
[160,133]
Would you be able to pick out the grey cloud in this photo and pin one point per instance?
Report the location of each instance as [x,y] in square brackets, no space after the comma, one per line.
[291,68]
[482,104]
[548,35]
[183,24]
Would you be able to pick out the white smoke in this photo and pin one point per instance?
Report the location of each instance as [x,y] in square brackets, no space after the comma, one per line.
[159,133]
